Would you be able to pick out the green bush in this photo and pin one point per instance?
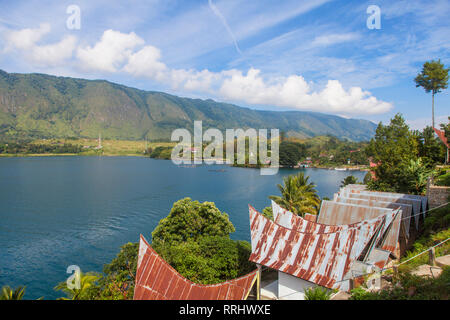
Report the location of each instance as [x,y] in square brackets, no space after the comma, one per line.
[443,180]
[410,287]
[209,260]
[318,293]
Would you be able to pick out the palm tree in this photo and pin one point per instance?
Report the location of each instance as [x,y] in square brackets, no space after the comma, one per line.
[298,195]
[433,78]
[10,294]
[349,180]
[86,281]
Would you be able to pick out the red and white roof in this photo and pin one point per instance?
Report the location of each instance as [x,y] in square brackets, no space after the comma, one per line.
[319,254]
[157,280]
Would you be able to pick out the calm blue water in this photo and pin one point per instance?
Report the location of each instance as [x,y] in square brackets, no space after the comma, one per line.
[59,211]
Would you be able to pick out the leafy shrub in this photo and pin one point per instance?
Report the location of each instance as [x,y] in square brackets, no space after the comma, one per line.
[318,293]
[443,180]
[161,153]
[191,220]
[268,213]
[410,287]
[209,260]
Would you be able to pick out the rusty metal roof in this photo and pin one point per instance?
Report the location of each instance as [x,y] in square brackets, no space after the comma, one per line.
[441,135]
[415,203]
[157,280]
[311,217]
[287,219]
[406,208]
[338,213]
[321,258]
[353,189]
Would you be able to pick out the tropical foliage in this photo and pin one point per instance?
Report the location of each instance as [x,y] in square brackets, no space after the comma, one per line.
[81,285]
[195,239]
[8,293]
[349,180]
[190,220]
[209,259]
[399,167]
[318,293]
[298,195]
[407,286]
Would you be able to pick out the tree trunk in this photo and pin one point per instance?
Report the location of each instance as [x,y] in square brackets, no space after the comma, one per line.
[432,108]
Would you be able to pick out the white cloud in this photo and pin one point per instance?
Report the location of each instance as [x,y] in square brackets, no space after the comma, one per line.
[110,52]
[295,92]
[119,52]
[25,41]
[330,39]
[54,54]
[25,38]
[146,63]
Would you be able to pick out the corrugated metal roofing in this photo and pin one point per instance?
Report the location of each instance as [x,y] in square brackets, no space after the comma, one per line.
[406,208]
[311,217]
[416,204]
[422,199]
[157,280]
[287,219]
[321,258]
[337,213]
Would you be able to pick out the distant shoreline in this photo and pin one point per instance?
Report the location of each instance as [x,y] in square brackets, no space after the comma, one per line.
[29,155]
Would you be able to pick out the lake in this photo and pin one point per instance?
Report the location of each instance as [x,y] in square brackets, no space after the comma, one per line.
[61,211]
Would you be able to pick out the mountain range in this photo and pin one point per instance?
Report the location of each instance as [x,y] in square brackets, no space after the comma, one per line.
[45,106]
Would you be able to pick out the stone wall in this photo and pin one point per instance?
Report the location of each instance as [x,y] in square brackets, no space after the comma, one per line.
[437,195]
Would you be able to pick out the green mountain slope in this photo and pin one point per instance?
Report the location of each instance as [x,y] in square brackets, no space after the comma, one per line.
[44,106]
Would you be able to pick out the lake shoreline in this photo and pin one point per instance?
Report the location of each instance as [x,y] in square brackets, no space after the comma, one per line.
[27,155]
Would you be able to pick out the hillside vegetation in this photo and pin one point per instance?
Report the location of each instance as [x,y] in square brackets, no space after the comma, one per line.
[34,106]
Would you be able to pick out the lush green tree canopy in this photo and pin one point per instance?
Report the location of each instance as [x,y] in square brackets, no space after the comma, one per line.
[393,148]
[291,153]
[191,220]
[209,259]
[433,77]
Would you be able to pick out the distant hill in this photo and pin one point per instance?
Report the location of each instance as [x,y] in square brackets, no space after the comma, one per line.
[44,106]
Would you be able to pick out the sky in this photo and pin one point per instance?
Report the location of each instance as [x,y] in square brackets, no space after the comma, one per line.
[323,55]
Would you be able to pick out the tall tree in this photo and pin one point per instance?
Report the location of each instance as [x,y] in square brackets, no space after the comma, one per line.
[298,195]
[392,148]
[433,78]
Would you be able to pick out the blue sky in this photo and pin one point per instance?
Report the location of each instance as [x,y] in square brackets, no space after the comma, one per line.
[278,55]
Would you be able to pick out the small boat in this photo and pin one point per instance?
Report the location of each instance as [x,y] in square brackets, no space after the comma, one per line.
[340,169]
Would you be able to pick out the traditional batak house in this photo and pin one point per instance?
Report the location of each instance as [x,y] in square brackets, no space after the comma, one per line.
[157,280]
[307,253]
[357,233]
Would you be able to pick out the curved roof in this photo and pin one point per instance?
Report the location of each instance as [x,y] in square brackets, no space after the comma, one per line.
[157,280]
[406,208]
[340,213]
[322,258]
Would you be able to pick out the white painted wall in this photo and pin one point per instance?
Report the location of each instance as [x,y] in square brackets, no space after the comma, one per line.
[292,288]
